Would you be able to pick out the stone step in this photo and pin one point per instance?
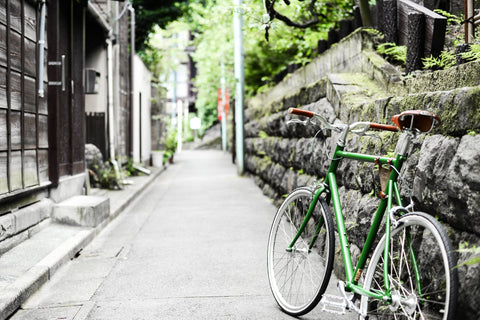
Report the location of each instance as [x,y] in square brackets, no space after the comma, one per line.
[87,211]
[352,89]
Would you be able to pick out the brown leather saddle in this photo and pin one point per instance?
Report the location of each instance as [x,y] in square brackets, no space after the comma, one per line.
[417,120]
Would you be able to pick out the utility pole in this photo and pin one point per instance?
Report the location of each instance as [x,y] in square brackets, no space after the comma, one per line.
[239,86]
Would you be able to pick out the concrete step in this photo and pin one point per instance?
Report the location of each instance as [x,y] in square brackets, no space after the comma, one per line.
[88,211]
[32,263]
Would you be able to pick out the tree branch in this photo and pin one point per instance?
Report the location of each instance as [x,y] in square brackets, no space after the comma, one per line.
[274,14]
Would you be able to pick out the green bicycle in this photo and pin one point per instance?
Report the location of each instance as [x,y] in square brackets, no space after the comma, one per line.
[411,273]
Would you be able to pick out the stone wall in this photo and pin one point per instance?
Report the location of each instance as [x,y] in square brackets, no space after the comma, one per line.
[352,83]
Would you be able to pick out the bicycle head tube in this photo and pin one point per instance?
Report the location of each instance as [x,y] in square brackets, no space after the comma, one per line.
[343,136]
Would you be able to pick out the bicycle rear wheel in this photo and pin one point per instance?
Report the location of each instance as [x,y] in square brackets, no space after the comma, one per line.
[422,277]
[299,276]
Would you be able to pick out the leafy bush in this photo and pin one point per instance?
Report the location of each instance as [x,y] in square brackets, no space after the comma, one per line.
[104,176]
[445,60]
[170,143]
[473,53]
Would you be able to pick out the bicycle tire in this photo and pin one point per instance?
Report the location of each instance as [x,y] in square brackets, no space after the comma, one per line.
[299,278]
[436,265]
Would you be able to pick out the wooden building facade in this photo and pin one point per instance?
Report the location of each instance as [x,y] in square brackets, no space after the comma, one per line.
[42,98]
[24,115]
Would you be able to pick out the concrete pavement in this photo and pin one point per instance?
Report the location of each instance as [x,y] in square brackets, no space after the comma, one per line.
[48,246]
[192,245]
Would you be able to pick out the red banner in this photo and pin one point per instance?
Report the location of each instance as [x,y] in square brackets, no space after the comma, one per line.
[219,104]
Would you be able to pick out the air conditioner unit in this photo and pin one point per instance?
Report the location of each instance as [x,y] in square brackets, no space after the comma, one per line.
[92,78]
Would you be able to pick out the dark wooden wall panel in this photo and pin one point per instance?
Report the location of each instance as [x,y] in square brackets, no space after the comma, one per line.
[15,91]
[3,11]
[3,44]
[15,130]
[30,131]
[30,168]
[29,94]
[30,24]
[15,15]
[15,48]
[42,131]
[16,170]
[43,175]
[3,130]
[30,67]
[3,172]
[3,88]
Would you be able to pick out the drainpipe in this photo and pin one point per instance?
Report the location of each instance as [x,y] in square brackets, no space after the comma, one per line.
[111,118]
[41,50]
[132,91]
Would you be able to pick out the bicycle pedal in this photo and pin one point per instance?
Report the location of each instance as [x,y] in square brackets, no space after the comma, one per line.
[333,304]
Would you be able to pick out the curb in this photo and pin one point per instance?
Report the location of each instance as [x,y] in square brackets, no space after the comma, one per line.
[132,196]
[16,293]
[12,297]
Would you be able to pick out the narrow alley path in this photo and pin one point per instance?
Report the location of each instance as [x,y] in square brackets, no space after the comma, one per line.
[192,246]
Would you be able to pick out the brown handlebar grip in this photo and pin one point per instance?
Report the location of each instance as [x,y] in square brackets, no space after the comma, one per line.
[386,127]
[301,112]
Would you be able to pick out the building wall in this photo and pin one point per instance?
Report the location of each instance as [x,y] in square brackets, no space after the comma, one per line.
[141,124]
[96,59]
[122,87]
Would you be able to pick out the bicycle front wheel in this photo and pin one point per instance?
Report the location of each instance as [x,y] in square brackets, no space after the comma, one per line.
[421,272]
[298,276]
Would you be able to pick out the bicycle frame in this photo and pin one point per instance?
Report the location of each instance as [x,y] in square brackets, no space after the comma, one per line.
[330,188]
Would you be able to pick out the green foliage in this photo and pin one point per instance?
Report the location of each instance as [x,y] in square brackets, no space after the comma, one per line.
[473,251]
[170,143]
[211,24]
[473,53]
[393,53]
[104,176]
[262,134]
[445,60]
[150,13]
[451,18]
[130,168]
[472,133]
[165,50]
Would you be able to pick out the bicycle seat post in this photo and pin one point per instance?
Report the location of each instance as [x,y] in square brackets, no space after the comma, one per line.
[405,143]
